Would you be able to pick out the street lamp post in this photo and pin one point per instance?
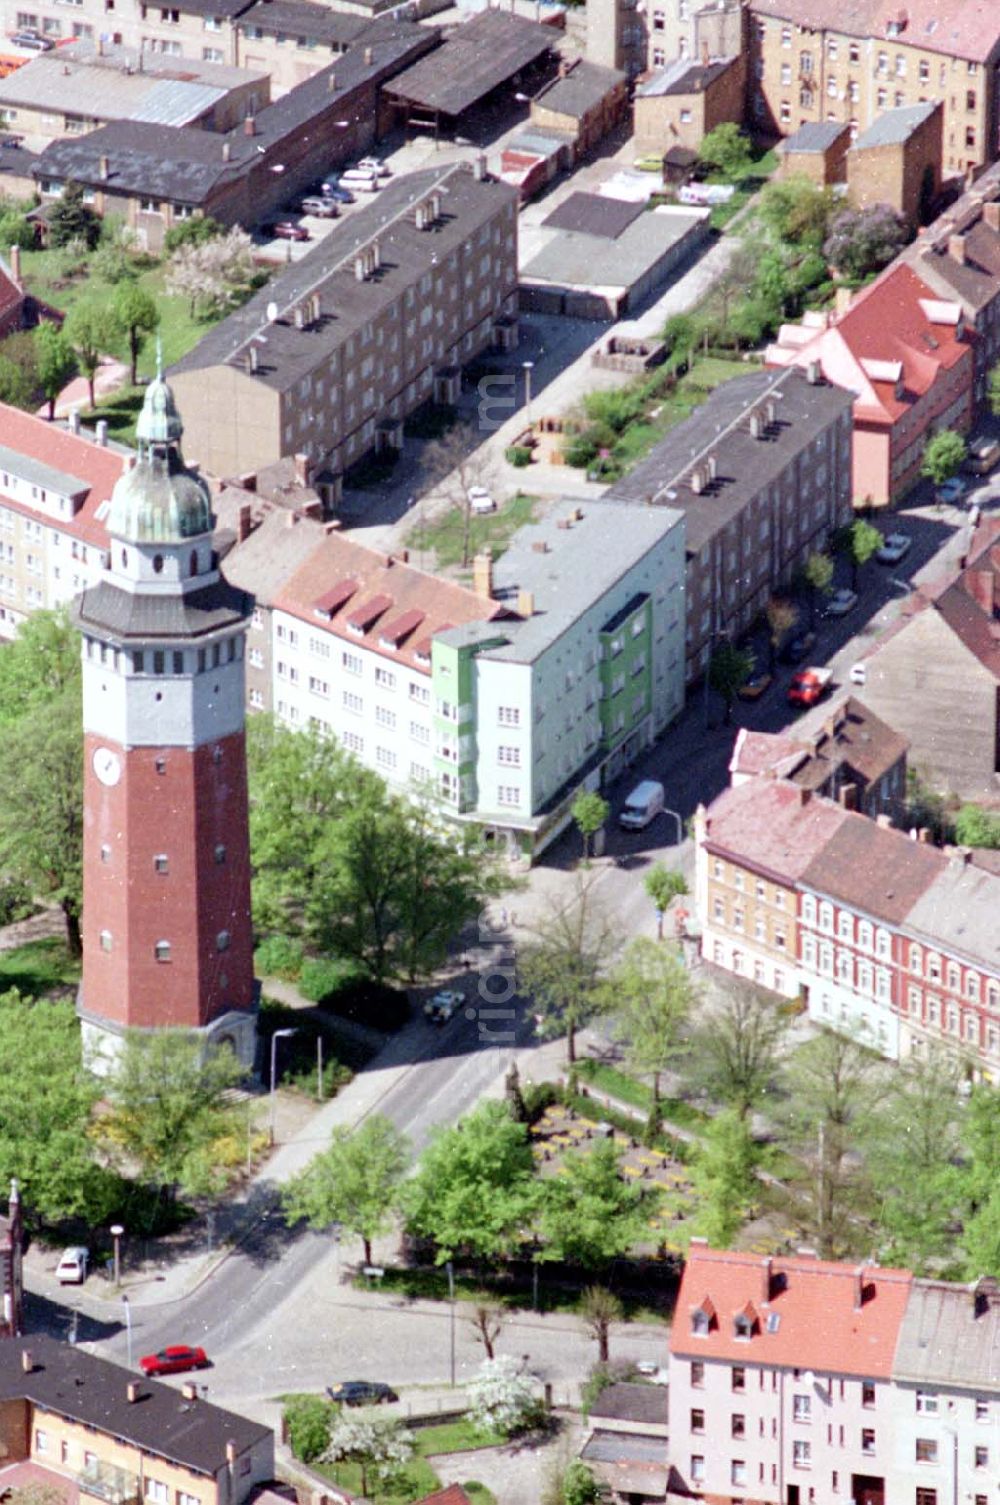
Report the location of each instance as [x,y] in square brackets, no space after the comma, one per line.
[680,825]
[128,1328]
[451,1298]
[528,366]
[116,1233]
[279,1034]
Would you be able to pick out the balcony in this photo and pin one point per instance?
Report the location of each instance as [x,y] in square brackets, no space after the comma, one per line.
[105,1481]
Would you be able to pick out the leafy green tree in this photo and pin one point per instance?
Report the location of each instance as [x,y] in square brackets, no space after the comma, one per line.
[781,618]
[135,312]
[590,1214]
[600,1309]
[55,360]
[15,230]
[857,542]
[41,805]
[502,1397]
[817,576]
[91,328]
[581,1486]
[564,966]
[796,211]
[729,668]
[863,241]
[71,219]
[724,1179]
[40,665]
[831,1081]
[354,1181]
[944,454]
[976,827]
[168,1106]
[663,884]
[379,1445]
[736,1049]
[18,371]
[978,1185]
[308,1419]
[590,812]
[728,150]
[912,1148]
[650,993]
[191,232]
[474,1191]
[993,386]
[45,1111]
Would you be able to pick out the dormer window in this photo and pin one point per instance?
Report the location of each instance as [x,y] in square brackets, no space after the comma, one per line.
[702,1318]
[745,1322]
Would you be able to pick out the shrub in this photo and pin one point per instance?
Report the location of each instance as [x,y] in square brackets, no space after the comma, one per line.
[191,232]
[518,455]
[321,977]
[16,902]
[537,1096]
[308,1418]
[580,451]
[278,956]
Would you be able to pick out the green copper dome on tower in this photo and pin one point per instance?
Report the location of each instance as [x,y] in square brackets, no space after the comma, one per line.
[159,500]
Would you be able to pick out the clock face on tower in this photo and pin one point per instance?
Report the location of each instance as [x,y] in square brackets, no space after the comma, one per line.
[107,765]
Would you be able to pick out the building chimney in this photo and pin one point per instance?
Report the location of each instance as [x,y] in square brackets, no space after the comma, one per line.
[331,84]
[301,463]
[956,248]
[369,57]
[189,1390]
[250,126]
[299,316]
[766,1271]
[230,1452]
[252,359]
[291,519]
[848,796]
[525,603]
[814,373]
[27,1361]
[227,151]
[858,1280]
[15,263]
[991,214]
[805,795]
[133,1390]
[479,167]
[104,168]
[482,575]
[842,301]
[924,836]
[244,526]
[102,432]
[359,268]
[884,821]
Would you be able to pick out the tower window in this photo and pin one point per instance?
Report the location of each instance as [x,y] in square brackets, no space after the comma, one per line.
[105,853]
[157,563]
[137,662]
[158,661]
[162,950]
[220,854]
[105,940]
[161,765]
[178,662]
[161,863]
[222,941]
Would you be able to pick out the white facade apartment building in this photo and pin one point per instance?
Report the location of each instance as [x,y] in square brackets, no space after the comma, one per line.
[55,489]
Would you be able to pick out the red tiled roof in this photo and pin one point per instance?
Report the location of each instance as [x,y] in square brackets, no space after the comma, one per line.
[380,578]
[453,1495]
[77,456]
[853,17]
[393,633]
[771,827]
[368,613]
[958,28]
[756,752]
[873,868]
[11,296]
[810,1317]
[331,600]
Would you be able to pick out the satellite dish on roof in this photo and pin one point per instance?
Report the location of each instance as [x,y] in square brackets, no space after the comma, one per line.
[272,312]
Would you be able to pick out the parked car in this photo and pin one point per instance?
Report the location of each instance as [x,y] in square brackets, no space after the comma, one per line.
[858,674]
[650,162]
[360,180]
[175,1359]
[362,1393]
[798,648]
[442,1007]
[755,686]
[332,188]
[375,165]
[841,602]
[480,499]
[643,805]
[895,548]
[323,208]
[984,451]
[32,41]
[287,229]
[809,686]
[952,490]
[72,1267]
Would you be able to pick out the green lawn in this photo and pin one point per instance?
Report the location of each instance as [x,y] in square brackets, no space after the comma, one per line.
[618,1084]
[443,535]
[459,1436]
[38,968]
[431,1284]
[412,1483]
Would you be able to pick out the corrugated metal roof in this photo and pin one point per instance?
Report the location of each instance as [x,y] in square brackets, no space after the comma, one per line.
[477,58]
[170,102]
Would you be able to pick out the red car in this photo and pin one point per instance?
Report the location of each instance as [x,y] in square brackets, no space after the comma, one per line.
[174,1360]
[287,229]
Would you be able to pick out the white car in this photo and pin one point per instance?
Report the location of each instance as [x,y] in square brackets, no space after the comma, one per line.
[320,207]
[895,547]
[952,490]
[440,1008]
[480,499]
[858,674]
[72,1267]
[375,165]
[841,602]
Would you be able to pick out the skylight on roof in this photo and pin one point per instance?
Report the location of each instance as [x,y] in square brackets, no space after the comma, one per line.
[773,1321]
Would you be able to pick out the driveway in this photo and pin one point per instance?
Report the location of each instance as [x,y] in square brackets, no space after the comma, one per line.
[516,1473]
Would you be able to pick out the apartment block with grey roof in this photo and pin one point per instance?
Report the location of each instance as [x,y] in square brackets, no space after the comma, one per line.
[762,473]
[331,356]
